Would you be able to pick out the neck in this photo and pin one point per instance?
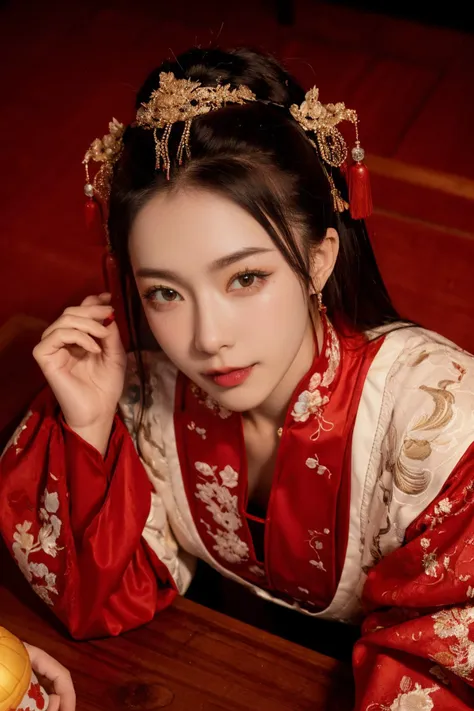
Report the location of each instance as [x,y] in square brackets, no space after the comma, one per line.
[271,413]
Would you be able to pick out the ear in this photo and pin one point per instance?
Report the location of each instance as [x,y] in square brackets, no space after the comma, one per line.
[322,260]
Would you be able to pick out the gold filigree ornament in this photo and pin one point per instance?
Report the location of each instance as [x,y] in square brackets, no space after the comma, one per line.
[106,151]
[322,120]
[181,100]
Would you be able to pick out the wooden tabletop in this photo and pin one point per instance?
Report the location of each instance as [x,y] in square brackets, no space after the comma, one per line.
[189,658]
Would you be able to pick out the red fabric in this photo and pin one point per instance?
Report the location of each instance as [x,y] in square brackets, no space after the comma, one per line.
[305,542]
[419,599]
[101,577]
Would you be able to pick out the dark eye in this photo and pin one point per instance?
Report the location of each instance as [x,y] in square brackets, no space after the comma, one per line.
[246,280]
[162,295]
[166,295]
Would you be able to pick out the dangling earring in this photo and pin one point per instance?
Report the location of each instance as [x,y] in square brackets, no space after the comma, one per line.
[321,307]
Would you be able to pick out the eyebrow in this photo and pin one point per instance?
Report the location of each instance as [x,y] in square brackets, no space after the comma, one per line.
[217,265]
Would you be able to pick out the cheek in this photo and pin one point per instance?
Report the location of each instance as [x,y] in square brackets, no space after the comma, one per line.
[282,310]
[169,330]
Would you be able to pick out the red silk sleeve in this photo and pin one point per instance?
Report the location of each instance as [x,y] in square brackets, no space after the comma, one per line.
[417,648]
[74,521]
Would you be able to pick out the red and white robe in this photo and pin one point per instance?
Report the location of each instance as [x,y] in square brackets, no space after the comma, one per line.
[371,512]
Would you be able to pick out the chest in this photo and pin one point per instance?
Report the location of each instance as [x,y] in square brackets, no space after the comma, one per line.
[261,449]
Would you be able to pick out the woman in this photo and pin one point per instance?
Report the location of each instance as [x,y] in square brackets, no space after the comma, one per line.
[290,430]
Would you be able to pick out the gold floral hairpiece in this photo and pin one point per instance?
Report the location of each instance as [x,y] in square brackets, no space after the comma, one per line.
[322,120]
[106,151]
[181,100]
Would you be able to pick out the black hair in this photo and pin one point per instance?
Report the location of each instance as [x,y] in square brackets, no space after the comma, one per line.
[259,157]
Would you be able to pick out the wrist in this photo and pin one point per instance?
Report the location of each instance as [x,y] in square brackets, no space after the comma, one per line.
[96,434]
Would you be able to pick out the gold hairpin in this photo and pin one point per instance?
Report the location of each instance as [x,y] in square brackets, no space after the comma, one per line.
[322,120]
[181,100]
[107,151]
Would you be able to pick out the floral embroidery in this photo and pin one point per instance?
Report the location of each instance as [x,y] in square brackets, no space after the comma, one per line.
[456,623]
[24,546]
[316,545]
[313,463]
[444,508]
[313,401]
[411,698]
[430,560]
[18,432]
[198,430]
[206,400]
[223,506]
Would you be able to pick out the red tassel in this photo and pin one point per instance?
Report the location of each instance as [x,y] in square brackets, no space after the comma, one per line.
[360,195]
[93,218]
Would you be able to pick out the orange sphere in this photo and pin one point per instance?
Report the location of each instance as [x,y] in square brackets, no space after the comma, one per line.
[15,670]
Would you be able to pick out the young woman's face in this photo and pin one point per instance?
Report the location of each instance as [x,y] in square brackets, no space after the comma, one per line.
[219,296]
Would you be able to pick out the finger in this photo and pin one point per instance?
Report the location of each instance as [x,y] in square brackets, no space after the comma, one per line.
[112,344]
[95,311]
[47,666]
[97,299]
[65,337]
[53,702]
[86,325]
[64,688]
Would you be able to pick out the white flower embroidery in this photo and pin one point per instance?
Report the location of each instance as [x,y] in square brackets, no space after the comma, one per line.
[229,477]
[313,463]
[411,698]
[457,623]
[15,438]
[313,401]
[224,509]
[205,468]
[317,545]
[24,545]
[418,699]
[198,430]
[443,507]
[206,400]
[315,381]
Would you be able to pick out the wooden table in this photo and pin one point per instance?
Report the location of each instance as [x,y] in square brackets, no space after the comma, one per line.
[189,658]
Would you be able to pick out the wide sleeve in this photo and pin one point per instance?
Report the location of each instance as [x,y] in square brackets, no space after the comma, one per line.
[75,524]
[417,648]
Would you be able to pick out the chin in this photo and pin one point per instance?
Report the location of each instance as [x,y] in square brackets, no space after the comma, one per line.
[239,399]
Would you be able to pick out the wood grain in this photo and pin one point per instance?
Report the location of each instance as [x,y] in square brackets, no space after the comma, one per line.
[188,657]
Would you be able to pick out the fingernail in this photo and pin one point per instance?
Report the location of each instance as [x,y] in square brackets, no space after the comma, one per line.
[110,319]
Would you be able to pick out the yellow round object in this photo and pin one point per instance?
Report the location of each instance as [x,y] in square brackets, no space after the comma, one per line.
[15,670]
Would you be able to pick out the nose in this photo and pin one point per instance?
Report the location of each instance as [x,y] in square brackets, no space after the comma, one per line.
[212,329]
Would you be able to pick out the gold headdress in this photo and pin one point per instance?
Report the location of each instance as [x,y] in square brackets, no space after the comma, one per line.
[178,100]
[181,100]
